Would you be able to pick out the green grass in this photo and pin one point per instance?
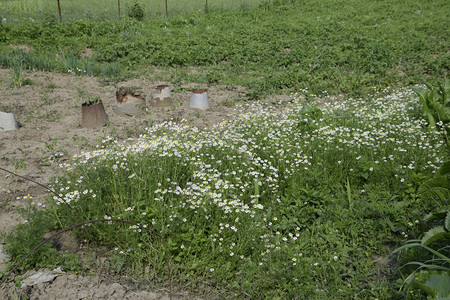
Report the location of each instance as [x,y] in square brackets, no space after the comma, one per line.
[274,204]
[269,49]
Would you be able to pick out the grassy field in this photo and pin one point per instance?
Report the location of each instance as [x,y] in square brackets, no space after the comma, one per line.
[327,47]
[301,202]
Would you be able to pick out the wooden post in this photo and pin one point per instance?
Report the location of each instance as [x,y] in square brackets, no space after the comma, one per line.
[167,12]
[118,5]
[59,11]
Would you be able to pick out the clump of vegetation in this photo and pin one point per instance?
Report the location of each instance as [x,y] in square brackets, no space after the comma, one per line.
[435,100]
[93,100]
[136,11]
[29,235]
[301,197]
[428,258]
[17,77]
[257,48]
[298,202]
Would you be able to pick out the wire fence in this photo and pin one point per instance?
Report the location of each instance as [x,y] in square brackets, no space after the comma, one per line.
[14,11]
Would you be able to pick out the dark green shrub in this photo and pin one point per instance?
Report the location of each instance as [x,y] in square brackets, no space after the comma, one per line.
[136,12]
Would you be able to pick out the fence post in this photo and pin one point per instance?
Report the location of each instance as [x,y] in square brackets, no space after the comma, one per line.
[59,11]
[118,5]
[167,12]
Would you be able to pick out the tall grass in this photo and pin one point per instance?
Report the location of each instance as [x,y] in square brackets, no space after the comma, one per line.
[275,203]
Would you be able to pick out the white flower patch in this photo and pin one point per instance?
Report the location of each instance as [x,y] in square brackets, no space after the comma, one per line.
[239,166]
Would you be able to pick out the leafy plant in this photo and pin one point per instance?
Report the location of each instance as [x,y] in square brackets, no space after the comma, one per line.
[17,78]
[29,235]
[15,162]
[270,196]
[136,11]
[433,275]
[46,99]
[435,100]
[309,117]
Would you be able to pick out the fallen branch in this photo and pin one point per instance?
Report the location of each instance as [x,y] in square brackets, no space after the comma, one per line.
[317,58]
[48,189]
[81,224]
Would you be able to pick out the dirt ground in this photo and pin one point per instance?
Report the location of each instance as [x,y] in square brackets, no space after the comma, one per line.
[48,111]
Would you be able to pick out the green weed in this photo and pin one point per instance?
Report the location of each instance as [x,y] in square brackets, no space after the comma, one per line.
[31,234]
[427,259]
[17,78]
[435,100]
[46,99]
[15,162]
[136,11]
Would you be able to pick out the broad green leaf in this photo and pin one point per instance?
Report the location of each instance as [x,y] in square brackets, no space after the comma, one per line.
[446,84]
[429,85]
[433,234]
[311,111]
[431,120]
[442,111]
[440,285]
[445,91]
[419,283]
[420,92]
[438,213]
[434,283]
[400,204]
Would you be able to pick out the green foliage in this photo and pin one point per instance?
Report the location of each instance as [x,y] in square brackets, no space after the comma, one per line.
[434,283]
[62,62]
[28,236]
[15,162]
[267,197]
[432,274]
[17,77]
[309,117]
[266,49]
[136,11]
[273,204]
[434,234]
[435,102]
